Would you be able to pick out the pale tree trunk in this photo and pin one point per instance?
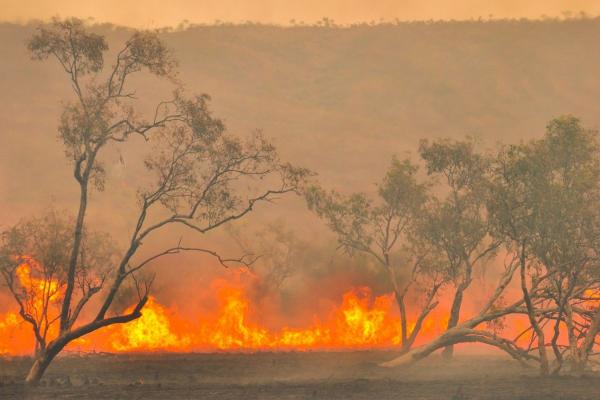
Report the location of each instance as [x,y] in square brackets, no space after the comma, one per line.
[41,363]
[583,353]
[457,303]
[453,320]
[466,332]
[421,352]
[544,366]
[461,334]
[448,338]
[408,339]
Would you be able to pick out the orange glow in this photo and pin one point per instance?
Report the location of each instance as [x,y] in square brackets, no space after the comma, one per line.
[235,323]
[39,290]
[361,321]
[9,323]
[150,332]
[40,298]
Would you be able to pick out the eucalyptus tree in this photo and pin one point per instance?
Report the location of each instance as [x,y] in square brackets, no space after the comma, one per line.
[380,228]
[546,197]
[202,176]
[542,207]
[457,224]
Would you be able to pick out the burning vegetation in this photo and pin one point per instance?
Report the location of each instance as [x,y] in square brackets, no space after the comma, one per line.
[360,321]
[495,247]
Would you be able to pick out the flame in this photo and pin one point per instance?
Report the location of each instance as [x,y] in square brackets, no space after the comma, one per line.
[231,329]
[151,331]
[360,320]
[8,324]
[40,291]
[40,298]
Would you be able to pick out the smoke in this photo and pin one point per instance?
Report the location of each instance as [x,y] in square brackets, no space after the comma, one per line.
[340,102]
[154,13]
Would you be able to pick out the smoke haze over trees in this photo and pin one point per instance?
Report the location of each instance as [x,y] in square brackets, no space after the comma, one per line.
[341,101]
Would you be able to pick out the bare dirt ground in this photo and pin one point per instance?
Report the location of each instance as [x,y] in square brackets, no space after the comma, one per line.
[345,375]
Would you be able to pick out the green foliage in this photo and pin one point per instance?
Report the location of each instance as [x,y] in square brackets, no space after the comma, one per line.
[368,225]
[462,167]
[77,50]
[545,191]
[455,222]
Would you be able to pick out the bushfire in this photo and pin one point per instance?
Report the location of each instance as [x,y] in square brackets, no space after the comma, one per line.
[360,320]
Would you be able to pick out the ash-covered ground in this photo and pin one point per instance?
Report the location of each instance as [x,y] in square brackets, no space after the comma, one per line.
[323,375]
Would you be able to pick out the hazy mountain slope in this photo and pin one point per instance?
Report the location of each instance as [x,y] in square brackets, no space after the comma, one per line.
[341,101]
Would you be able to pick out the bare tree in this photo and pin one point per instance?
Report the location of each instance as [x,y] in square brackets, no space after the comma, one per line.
[203,176]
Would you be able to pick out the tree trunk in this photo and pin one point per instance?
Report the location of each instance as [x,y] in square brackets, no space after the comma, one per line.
[408,339]
[40,365]
[403,323]
[399,296]
[583,353]
[77,238]
[544,366]
[459,334]
[446,339]
[43,359]
[453,320]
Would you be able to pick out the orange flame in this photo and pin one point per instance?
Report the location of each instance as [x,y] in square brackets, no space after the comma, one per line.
[151,331]
[360,321]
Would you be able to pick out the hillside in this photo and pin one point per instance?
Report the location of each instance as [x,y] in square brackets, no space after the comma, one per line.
[340,101]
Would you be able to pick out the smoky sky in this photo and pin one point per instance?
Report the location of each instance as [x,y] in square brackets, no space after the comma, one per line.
[341,102]
[154,13]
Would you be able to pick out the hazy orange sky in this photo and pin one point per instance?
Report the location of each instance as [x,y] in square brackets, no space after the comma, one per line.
[158,13]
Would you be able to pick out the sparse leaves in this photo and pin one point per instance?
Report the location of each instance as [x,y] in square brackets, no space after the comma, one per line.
[78,51]
[34,264]
[204,177]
